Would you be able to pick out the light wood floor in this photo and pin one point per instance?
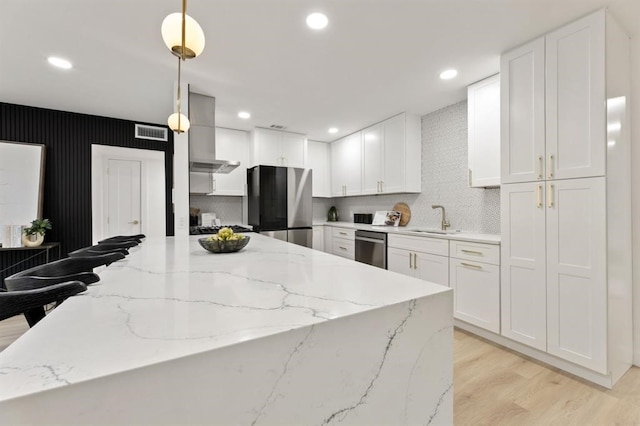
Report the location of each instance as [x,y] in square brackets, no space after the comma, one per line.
[494,386]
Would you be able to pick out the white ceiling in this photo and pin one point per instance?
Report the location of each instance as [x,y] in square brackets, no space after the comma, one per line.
[375,59]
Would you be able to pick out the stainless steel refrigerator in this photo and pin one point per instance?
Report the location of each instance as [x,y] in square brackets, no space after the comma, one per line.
[280,204]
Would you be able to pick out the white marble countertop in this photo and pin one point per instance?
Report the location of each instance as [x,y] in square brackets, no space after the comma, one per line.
[170,298]
[460,236]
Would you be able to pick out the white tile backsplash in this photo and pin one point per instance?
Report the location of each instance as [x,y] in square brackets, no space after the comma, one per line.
[228,209]
[444,181]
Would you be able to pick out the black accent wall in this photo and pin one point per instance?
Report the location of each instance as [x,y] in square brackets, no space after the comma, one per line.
[67,186]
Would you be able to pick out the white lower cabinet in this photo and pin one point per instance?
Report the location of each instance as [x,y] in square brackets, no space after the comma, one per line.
[475,283]
[343,242]
[318,238]
[419,257]
[554,268]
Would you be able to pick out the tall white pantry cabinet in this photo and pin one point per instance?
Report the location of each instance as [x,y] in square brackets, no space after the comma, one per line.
[566,199]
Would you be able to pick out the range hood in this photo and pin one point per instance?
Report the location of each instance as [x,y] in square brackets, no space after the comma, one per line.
[202,137]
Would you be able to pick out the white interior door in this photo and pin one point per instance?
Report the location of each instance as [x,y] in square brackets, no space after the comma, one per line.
[124,200]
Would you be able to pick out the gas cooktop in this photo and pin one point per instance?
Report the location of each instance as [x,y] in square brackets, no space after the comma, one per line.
[199,230]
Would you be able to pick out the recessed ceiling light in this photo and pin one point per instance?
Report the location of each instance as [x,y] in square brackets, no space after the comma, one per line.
[333,130]
[59,62]
[448,74]
[317,21]
[244,114]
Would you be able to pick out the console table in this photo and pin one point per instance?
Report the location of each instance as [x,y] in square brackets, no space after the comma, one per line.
[14,261]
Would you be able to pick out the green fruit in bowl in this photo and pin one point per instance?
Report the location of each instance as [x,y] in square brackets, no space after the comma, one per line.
[226,234]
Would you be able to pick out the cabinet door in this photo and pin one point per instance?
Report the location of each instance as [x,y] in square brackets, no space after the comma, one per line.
[266,149]
[318,238]
[293,149]
[400,260]
[483,110]
[346,166]
[523,264]
[200,183]
[372,159]
[318,161]
[522,113]
[232,145]
[577,271]
[433,268]
[575,99]
[394,154]
[476,293]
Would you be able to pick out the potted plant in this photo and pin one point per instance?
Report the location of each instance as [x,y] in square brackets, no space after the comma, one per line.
[33,235]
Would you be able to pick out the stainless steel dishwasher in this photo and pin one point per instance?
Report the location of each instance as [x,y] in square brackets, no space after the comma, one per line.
[371,248]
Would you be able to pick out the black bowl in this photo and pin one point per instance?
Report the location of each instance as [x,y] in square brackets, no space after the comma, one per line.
[223,246]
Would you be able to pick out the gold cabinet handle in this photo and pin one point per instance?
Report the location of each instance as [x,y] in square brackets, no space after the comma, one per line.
[415,261]
[539,196]
[410,260]
[343,248]
[478,253]
[550,195]
[550,166]
[343,233]
[381,183]
[539,166]
[469,265]
[134,222]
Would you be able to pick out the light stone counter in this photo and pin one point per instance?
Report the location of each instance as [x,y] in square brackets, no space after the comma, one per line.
[407,230]
[273,334]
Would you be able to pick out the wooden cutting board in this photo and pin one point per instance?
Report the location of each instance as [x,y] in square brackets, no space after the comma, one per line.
[406,212]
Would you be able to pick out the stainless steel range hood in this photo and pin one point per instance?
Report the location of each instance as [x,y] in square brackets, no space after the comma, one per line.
[202,137]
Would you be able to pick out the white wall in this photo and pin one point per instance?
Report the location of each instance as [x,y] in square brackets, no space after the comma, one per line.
[635,176]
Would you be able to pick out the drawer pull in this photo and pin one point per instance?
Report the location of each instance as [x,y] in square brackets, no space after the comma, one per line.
[343,233]
[415,261]
[477,253]
[539,196]
[342,248]
[410,260]
[469,265]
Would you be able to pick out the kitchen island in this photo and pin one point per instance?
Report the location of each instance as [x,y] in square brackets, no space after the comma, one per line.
[273,334]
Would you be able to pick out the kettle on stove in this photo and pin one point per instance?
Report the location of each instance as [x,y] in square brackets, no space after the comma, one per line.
[332,216]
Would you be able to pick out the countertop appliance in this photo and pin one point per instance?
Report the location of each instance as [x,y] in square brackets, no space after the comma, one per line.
[371,248]
[280,204]
[203,230]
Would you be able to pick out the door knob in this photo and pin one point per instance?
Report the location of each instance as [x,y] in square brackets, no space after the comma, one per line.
[135,222]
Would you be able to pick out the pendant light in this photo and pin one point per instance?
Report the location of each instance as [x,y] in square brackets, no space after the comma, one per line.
[185,39]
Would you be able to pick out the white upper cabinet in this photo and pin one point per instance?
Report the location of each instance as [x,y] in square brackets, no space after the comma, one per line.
[402,137]
[278,148]
[232,145]
[522,113]
[483,108]
[318,162]
[390,158]
[575,99]
[372,159]
[553,105]
[346,166]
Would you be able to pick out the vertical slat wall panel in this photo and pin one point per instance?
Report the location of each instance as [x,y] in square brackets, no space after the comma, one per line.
[67,191]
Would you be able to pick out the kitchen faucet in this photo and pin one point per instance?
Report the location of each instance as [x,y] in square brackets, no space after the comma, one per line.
[445,223]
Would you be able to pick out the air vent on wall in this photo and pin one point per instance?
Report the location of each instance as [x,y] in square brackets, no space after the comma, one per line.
[150,132]
[277,127]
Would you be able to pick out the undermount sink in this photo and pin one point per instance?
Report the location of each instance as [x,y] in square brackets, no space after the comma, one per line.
[434,231]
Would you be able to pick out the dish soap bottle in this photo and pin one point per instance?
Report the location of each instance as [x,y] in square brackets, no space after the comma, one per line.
[333,214]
